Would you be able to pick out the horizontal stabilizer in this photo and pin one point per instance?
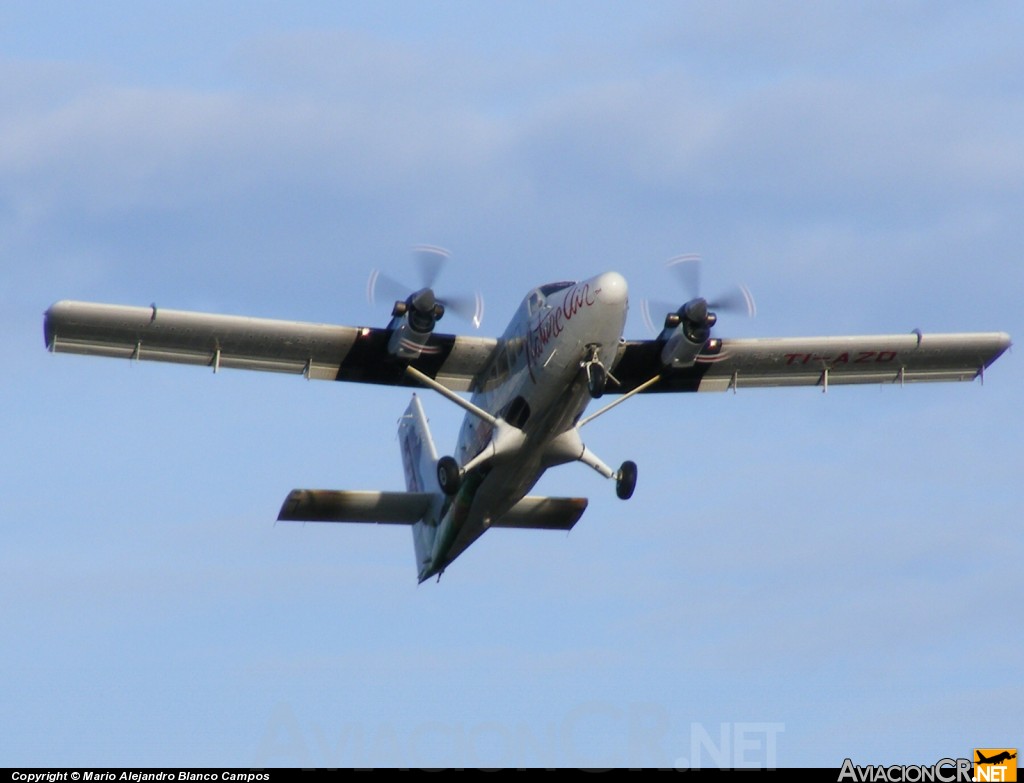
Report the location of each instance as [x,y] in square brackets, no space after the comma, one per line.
[326,505]
[541,513]
[407,508]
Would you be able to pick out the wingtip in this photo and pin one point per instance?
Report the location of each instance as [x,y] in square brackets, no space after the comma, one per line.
[52,314]
[48,330]
[1005,344]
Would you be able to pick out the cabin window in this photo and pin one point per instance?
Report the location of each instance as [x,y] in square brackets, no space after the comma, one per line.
[502,362]
[498,370]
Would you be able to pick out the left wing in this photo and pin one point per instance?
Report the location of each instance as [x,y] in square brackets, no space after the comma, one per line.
[812,361]
[319,351]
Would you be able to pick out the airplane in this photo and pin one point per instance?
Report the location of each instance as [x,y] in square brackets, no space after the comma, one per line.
[999,758]
[530,388]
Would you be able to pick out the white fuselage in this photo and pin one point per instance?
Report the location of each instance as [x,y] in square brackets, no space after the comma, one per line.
[535,383]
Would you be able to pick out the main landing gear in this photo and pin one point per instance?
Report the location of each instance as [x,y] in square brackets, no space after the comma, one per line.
[449,477]
[625,480]
[567,447]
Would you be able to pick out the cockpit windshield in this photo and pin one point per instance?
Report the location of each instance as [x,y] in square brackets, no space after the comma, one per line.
[551,288]
[537,300]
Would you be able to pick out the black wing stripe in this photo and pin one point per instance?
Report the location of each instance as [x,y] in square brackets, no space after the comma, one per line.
[369,361]
[641,361]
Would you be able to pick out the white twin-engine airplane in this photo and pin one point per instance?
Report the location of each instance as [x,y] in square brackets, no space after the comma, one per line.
[530,388]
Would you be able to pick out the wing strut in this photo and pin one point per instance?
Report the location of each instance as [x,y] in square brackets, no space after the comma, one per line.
[620,400]
[505,440]
[444,391]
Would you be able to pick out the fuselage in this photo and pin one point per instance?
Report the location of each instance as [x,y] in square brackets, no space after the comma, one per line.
[535,383]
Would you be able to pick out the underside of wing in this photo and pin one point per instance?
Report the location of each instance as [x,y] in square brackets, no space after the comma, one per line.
[814,361]
[542,513]
[318,351]
[326,505]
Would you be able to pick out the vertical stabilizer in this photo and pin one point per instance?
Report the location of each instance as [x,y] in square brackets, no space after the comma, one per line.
[419,461]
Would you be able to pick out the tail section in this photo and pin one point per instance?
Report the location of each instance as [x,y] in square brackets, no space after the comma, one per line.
[419,461]
[419,457]
[439,531]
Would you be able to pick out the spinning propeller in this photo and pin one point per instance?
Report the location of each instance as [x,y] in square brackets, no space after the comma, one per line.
[697,313]
[424,305]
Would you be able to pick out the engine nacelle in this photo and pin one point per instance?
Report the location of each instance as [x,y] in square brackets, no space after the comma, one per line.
[686,332]
[680,351]
[412,323]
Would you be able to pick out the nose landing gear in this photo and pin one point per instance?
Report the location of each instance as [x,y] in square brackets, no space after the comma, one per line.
[597,373]
[597,379]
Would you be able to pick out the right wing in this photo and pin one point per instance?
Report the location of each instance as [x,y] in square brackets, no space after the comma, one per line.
[319,351]
[812,361]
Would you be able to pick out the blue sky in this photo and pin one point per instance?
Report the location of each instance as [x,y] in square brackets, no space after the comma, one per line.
[799,578]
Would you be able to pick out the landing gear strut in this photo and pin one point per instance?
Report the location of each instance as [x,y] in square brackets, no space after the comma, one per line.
[625,480]
[449,477]
[568,447]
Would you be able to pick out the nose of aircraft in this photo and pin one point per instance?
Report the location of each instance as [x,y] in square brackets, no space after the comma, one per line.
[611,289]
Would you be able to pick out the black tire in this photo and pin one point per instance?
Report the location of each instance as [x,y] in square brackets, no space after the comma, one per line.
[597,379]
[625,483]
[449,476]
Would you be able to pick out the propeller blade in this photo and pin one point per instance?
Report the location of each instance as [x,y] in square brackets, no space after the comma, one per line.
[686,268]
[645,311]
[736,300]
[469,308]
[430,259]
[654,312]
[386,287]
